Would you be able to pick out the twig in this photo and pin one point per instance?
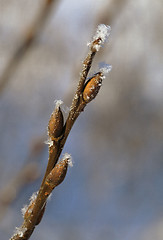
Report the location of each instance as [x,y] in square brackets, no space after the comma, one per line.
[29,39]
[58,133]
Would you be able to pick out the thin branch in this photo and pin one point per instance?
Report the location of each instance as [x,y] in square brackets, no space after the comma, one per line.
[28,41]
[29,173]
[58,133]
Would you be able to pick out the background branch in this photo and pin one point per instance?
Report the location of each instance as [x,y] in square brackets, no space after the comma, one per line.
[30,36]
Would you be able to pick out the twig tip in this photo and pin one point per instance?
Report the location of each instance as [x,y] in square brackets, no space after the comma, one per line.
[101,36]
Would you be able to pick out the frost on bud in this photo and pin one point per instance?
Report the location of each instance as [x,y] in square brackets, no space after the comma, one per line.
[56,122]
[49,142]
[105,68]
[101,36]
[92,87]
[58,173]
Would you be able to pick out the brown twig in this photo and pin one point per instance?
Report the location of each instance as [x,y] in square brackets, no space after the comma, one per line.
[29,39]
[58,133]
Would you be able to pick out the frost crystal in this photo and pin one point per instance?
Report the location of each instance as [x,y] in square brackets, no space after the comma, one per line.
[65,109]
[105,68]
[58,103]
[33,197]
[102,35]
[19,231]
[69,158]
[24,209]
[49,142]
[103,32]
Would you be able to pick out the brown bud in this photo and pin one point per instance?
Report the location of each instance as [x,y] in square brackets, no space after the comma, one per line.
[57,174]
[92,87]
[56,122]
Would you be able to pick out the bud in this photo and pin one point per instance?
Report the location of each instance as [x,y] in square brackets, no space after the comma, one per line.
[92,87]
[56,122]
[58,173]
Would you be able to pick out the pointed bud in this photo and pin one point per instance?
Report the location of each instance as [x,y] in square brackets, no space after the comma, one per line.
[58,173]
[92,87]
[56,122]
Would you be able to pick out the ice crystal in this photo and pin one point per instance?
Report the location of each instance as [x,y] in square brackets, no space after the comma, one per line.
[105,68]
[33,197]
[49,142]
[19,231]
[69,158]
[101,36]
[58,103]
[103,32]
[24,209]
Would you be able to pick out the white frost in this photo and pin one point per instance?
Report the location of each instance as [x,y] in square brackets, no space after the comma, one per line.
[105,68]
[33,197]
[19,231]
[49,142]
[103,32]
[58,103]
[69,158]
[24,209]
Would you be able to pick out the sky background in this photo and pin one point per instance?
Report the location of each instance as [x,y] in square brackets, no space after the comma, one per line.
[114,190]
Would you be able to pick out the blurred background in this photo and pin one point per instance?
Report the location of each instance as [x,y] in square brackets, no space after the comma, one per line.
[114,190]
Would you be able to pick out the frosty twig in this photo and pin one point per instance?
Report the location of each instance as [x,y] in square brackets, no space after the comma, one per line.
[58,133]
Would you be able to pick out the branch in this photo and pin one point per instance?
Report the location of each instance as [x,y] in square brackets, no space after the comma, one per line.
[29,39]
[58,133]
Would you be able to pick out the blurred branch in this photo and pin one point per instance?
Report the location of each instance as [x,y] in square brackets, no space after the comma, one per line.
[29,173]
[110,11]
[30,36]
